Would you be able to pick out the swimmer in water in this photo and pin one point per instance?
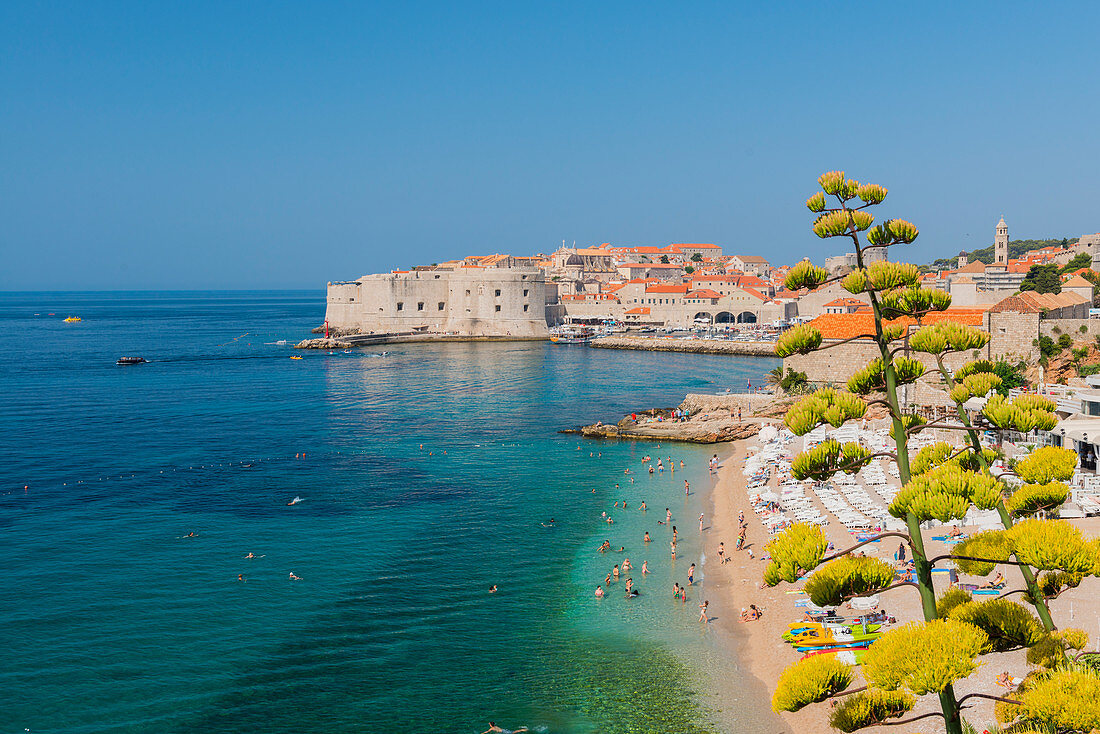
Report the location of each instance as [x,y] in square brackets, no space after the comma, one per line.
[607,579]
[645,567]
[250,555]
[643,507]
[615,572]
[240,577]
[493,589]
[647,536]
[668,515]
[599,592]
[626,564]
[675,591]
[494,729]
[294,577]
[629,586]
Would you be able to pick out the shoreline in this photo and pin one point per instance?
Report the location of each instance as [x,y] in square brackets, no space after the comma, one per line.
[693,346]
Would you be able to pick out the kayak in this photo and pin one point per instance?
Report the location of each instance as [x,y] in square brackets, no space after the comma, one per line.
[833,647]
[816,628]
[831,636]
[851,656]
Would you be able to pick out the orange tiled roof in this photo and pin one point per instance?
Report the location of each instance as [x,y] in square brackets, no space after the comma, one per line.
[703,293]
[846,302]
[849,325]
[643,311]
[667,289]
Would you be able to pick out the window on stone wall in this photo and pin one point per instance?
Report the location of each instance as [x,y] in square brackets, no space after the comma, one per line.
[498,308]
[525,291]
[525,307]
[420,306]
[441,305]
[497,293]
[400,305]
[467,291]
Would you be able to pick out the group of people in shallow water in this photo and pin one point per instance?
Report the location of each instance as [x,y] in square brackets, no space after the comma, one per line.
[619,571]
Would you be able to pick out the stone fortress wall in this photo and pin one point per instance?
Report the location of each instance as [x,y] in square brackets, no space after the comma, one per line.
[498,302]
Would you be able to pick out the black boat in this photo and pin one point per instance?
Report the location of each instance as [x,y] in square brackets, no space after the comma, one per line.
[131,360]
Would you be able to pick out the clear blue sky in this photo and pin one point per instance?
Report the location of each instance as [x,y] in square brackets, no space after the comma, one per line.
[269,145]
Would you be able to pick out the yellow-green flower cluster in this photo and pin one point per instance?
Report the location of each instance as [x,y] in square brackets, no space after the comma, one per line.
[872,378]
[871,193]
[846,577]
[924,656]
[1047,464]
[833,224]
[1065,699]
[829,457]
[805,275]
[946,336]
[1050,650]
[913,302]
[941,452]
[1007,624]
[834,184]
[1052,545]
[1031,498]
[989,544]
[823,406]
[802,339]
[946,493]
[868,708]
[1020,414]
[816,203]
[901,230]
[972,368]
[800,547]
[809,681]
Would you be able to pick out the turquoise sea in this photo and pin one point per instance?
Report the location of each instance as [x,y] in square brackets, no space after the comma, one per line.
[425,476]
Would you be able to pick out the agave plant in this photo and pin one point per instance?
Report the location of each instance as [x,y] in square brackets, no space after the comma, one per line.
[941,482]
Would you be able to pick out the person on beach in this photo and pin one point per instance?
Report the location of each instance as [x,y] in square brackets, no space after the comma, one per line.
[647,536]
[751,614]
[687,488]
[740,518]
[703,611]
[645,567]
[676,591]
[691,575]
[673,546]
[599,592]
[721,553]
[738,412]
[900,555]
[615,572]
[700,522]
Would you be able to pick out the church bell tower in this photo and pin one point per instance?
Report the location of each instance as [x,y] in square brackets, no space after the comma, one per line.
[1000,244]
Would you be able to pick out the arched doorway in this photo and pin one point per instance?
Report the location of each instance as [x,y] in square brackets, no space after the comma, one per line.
[746,317]
[723,317]
[703,317]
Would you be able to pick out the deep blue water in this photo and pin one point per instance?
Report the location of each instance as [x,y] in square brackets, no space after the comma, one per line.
[424,475]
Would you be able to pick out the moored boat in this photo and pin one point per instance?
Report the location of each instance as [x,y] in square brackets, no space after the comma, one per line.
[131,360]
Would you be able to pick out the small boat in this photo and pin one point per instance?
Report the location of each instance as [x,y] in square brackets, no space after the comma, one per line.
[72,319]
[131,360]
[572,335]
[296,356]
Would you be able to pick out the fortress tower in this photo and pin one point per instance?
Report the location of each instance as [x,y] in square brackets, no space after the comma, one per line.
[1000,244]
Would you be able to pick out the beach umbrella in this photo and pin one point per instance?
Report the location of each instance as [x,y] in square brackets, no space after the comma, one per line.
[768,433]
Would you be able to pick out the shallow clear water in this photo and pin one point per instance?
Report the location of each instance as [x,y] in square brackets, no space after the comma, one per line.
[115,620]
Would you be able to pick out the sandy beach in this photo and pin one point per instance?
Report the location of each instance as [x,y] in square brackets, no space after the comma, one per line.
[763,652]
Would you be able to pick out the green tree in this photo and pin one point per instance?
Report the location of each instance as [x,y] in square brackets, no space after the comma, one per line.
[939,482]
[1012,375]
[1042,279]
[697,257]
[688,269]
[664,259]
[1080,260]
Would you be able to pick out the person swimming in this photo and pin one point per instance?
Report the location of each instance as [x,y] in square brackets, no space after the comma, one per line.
[295,577]
[493,589]
[494,729]
[294,501]
[647,536]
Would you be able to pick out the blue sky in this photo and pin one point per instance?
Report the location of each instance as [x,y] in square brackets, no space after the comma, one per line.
[271,145]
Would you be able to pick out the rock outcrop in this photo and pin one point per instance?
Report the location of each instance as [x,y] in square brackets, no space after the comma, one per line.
[711,419]
[329,343]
